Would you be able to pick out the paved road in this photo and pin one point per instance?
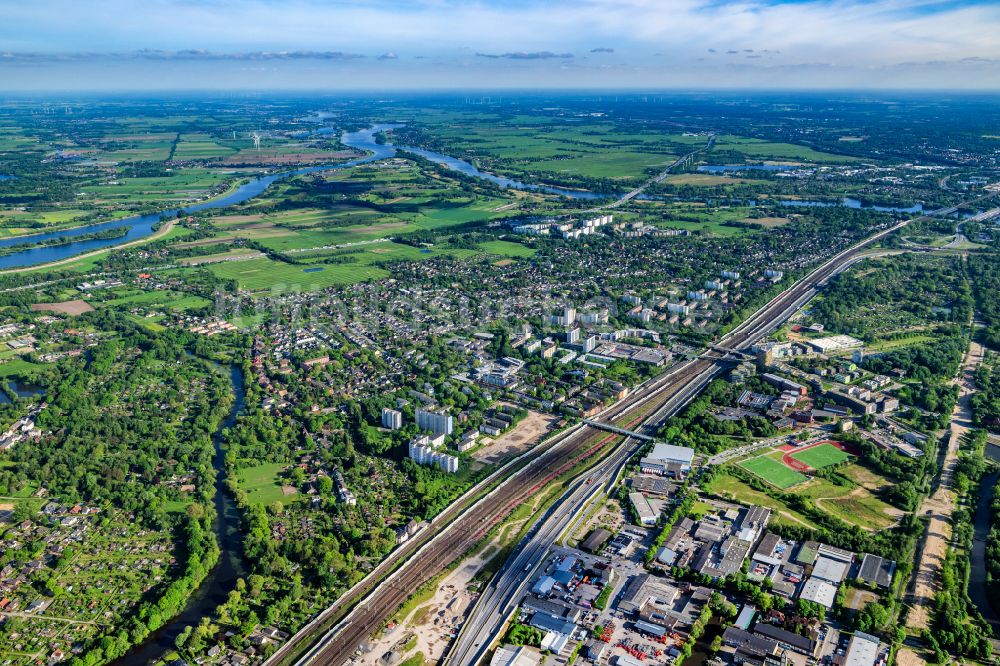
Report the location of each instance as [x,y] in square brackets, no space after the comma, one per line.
[454,535]
[502,595]
[658,178]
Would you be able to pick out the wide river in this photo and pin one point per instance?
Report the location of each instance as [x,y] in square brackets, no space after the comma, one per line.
[140,226]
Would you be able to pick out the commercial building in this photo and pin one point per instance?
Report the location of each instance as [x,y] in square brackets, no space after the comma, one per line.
[786,639]
[862,650]
[644,589]
[502,373]
[667,459]
[517,655]
[819,591]
[392,419]
[877,570]
[595,540]
[834,571]
[753,523]
[439,422]
[547,622]
[643,510]
[834,343]
[751,649]
[784,384]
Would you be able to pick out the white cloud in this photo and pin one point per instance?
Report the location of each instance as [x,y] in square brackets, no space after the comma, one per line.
[846,35]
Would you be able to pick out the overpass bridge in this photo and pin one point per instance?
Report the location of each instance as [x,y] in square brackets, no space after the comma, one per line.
[729,351]
[607,427]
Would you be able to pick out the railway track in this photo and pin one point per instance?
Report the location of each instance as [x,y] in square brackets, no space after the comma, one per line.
[388,587]
[480,519]
[459,528]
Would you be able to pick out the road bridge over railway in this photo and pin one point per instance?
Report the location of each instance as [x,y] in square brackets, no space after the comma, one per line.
[608,427]
[345,625]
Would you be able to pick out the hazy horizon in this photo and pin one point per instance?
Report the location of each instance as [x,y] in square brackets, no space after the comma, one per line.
[189,45]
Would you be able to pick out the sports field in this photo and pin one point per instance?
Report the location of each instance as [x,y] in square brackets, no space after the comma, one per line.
[773,472]
[821,455]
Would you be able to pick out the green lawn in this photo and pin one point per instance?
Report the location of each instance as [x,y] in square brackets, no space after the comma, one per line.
[265,274]
[859,508]
[821,456]
[508,249]
[732,488]
[16,367]
[261,483]
[172,300]
[773,471]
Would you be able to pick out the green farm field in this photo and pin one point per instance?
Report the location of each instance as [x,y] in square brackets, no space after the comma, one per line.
[264,274]
[757,149]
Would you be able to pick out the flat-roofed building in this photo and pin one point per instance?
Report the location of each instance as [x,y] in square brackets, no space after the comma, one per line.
[835,553]
[766,550]
[877,570]
[834,571]
[547,622]
[517,655]
[862,650]
[643,510]
[392,419]
[440,422]
[807,553]
[753,523]
[644,589]
[819,591]
[653,485]
[664,455]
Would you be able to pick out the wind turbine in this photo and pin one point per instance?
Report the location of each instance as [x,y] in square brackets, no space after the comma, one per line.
[256,141]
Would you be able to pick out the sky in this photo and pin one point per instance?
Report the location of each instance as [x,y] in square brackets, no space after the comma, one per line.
[110,45]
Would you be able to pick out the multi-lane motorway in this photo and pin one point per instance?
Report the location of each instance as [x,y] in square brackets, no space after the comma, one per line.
[463,525]
[500,598]
[502,594]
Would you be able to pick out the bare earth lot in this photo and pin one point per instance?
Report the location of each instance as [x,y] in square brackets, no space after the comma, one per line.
[941,504]
[428,627]
[517,440]
[74,308]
